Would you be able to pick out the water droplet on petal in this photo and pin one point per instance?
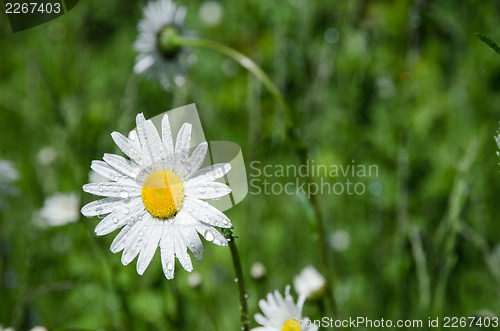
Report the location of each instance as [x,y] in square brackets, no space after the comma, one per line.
[170,265]
[126,210]
[123,194]
[209,236]
[115,220]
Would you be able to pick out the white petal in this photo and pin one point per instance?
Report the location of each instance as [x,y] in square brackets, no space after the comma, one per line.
[196,159]
[127,214]
[126,167]
[210,234]
[180,15]
[139,119]
[112,189]
[209,174]
[150,140]
[192,240]
[206,213]
[151,243]
[182,146]
[103,169]
[124,236]
[128,147]
[181,251]
[102,206]
[167,251]
[135,240]
[143,63]
[261,319]
[168,141]
[210,190]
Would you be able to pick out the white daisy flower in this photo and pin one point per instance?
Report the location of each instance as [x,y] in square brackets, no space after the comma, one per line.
[309,283]
[340,240]
[60,209]
[160,54]
[194,280]
[258,271]
[158,196]
[39,328]
[47,155]
[8,175]
[211,13]
[282,314]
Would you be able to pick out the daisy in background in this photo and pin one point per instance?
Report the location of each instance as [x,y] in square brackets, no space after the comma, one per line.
[59,209]
[309,283]
[157,197]
[160,54]
[8,175]
[282,314]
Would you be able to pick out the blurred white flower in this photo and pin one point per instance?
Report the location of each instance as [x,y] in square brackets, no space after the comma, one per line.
[211,13]
[47,155]
[39,328]
[157,197]
[194,280]
[8,175]
[340,240]
[497,139]
[60,209]
[258,271]
[6,329]
[309,283]
[282,314]
[160,54]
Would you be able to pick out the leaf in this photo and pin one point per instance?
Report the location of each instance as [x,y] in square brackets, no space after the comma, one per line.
[488,42]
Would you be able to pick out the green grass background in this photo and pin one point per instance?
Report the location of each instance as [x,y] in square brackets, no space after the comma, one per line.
[426,246]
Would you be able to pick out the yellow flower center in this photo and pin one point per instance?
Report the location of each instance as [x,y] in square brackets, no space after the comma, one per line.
[291,325]
[163,194]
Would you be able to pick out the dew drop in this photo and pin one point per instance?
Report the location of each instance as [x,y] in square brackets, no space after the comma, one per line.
[209,236]
[126,210]
[170,265]
[115,220]
[123,194]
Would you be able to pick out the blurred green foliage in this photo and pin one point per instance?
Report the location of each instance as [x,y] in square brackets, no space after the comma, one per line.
[404,85]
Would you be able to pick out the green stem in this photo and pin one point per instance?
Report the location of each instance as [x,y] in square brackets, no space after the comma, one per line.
[238,271]
[299,144]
